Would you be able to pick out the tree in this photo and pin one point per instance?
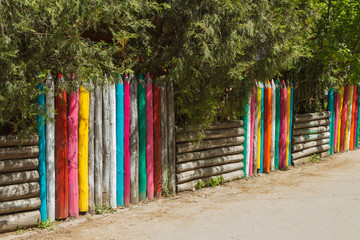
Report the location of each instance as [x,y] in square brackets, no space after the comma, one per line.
[334,56]
[214,51]
[39,36]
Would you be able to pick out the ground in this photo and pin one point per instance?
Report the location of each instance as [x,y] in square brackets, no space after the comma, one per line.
[312,201]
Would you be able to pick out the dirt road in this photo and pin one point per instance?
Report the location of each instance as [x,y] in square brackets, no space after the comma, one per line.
[313,201]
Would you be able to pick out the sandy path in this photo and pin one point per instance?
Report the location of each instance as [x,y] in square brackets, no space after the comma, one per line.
[313,201]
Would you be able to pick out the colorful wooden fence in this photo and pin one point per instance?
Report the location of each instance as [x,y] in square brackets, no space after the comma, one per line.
[218,154]
[268,125]
[19,183]
[109,146]
[345,120]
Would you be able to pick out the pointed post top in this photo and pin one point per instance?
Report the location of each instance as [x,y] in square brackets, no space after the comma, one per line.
[72,76]
[60,74]
[126,75]
[141,77]
[147,75]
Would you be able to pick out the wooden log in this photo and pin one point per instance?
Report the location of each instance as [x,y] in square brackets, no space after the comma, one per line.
[300,161]
[311,116]
[209,144]
[209,134]
[107,147]
[233,124]
[301,146]
[19,165]
[312,130]
[19,191]
[91,150]
[164,135]
[208,171]
[50,148]
[324,154]
[310,137]
[171,138]
[19,152]
[315,123]
[310,151]
[208,153]
[188,186]
[18,177]
[134,142]
[98,164]
[13,140]
[11,222]
[186,166]
[20,205]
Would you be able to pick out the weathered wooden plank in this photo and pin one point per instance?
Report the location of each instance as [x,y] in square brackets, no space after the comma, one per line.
[18,165]
[301,146]
[106,147]
[50,148]
[324,154]
[233,124]
[19,177]
[209,144]
[209,134]
[19,152]
[310,151]
[98,164]
[91,150]
[304,160]
[164,135]
[19,191]
[310,137]
[171,138]
[311,116]
[20,205]
[134,141]
[11,222]
[312,130]
[208,171]
[315,123]
[183,157]
[188,186]
[13,140]
[186,166]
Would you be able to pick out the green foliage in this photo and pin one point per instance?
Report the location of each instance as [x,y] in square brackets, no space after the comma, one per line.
[214,51]
[215,181]
[45,224]
[104,210]
[199,185]
[20,230]
[315,158]
[334,56]
[38,36]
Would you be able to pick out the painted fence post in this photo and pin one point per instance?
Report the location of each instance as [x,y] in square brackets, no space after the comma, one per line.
[127,140]
[72,122]
[149,137]
[120,142]
[84,98]
[42,152]
[61,151]
[142,138]
[171,138]
[164,138]
[157,138]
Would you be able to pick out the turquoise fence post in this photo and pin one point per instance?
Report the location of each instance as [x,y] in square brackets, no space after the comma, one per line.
[331,109]
[42,152]
[245,119]
[262,129]
[277,123]
[119,93]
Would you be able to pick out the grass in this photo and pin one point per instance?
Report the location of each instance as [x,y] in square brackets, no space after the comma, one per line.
[104,210]
[48,225]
